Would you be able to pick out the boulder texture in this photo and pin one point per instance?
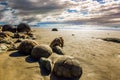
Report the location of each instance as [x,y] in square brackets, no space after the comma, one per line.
[46,63]
[23,27]
[26,46]
[67,68]
[41,51]
[8,27]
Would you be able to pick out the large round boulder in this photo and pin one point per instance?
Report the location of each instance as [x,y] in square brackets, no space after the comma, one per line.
[41,51]
[67,68]
[26,46]
[23,27]
[8,27]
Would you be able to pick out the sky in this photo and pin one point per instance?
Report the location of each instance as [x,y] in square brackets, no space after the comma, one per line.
[96,12]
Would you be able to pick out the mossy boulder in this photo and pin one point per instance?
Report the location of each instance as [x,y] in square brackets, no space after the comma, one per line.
[26,46]
[41,51]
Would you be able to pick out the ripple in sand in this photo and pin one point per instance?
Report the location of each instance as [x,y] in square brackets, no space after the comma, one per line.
[118,56]
[90,74]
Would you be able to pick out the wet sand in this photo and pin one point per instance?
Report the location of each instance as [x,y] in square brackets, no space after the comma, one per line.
[99,59]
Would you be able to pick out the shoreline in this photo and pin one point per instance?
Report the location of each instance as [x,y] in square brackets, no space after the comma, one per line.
[115,29]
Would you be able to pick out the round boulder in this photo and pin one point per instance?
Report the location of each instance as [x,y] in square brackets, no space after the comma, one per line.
[26,46]
[54,29]
[67,68]
[23,27]
[41,51]
[8,27]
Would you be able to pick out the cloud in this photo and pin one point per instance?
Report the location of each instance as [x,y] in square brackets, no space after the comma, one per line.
[87,11]
[7,14]
[92,12]
[37,9]
[9,17]
[36,6]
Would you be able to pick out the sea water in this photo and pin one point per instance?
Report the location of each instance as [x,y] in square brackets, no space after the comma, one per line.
[77,26]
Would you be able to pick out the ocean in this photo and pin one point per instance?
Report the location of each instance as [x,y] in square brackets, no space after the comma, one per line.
[77,27]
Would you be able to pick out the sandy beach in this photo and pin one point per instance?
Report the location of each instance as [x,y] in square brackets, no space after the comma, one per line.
[99,59]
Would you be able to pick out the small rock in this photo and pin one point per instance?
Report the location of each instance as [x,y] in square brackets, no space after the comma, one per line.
[18,40]
[12,47]
[58,50]
[3,48]
[5,41]
[73,34]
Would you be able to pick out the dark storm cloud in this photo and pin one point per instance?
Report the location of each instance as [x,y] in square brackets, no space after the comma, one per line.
[29,19]
[35,6]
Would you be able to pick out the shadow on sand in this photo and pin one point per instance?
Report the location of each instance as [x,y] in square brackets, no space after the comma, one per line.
[43,71]
[29,59]
[16,54]
[53,77]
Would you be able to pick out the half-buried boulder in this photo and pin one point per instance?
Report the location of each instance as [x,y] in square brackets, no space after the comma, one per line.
[26,46]
[41,51]
[54,29]
[67,68]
